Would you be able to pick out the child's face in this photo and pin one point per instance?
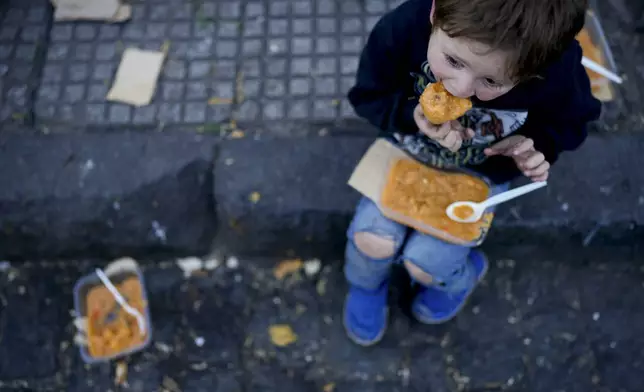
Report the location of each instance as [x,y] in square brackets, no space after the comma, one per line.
[468,68]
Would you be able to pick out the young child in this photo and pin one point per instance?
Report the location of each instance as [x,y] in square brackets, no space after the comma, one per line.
[519,63]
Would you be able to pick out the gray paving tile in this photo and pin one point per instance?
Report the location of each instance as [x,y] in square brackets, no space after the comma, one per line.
[295,59]
[204,47]
[23,32]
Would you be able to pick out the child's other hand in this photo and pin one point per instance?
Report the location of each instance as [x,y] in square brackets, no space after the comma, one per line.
[531,162]
[449,135]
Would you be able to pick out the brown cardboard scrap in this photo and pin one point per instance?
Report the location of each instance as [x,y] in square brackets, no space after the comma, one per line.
[136,77]
[123,14]
[370,176]
[106,10]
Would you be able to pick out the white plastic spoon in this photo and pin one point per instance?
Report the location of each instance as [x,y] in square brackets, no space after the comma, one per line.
[119,298]
[479,208]
[593,66]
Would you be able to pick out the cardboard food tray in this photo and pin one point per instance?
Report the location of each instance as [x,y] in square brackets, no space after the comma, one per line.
[606,92]
[370,177]
[82,288]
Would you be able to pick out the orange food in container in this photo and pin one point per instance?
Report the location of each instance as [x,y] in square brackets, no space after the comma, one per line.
[595,47]
[110,332]
[418,196]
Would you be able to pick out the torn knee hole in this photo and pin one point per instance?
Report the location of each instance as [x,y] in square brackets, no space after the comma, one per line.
[374,245]
[418,274]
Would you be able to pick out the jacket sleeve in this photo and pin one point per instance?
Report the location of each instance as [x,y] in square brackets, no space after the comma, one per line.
[560,123]
[378,95]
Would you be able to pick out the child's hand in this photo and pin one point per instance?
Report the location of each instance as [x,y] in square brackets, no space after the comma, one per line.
[449,135]
[531,162]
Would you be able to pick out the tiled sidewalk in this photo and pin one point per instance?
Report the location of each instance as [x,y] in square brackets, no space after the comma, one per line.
[23,34]
[264,62]
[271,59]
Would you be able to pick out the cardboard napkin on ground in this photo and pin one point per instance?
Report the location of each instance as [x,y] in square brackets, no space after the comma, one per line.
[370,178]
[97,10]
[136,77]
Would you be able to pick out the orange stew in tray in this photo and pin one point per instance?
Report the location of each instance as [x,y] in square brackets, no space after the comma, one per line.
[110,329]
[463,212]
[423,194]
[599,84]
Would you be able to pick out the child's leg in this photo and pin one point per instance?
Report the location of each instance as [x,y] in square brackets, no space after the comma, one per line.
[449,274]
[373,244]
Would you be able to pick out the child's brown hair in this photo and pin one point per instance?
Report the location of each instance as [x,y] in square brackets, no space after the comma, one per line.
[533,32]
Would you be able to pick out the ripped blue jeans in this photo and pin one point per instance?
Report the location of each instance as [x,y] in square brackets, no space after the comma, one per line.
[444,262]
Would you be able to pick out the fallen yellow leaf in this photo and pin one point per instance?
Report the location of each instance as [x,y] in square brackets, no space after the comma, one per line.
[169,385]
[120,377]
[282,335]
[320,287]
[254,197]
[300,309]
[330,387]
[287,267]
[18,116]
[237,134]
[219,101]
[165,48]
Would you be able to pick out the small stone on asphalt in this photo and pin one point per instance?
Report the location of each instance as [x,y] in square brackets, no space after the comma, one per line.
[211,264]
[189,265]
[312,267]
[232,262]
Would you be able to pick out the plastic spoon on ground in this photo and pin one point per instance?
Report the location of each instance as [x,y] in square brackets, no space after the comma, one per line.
[469,211]
[121,301]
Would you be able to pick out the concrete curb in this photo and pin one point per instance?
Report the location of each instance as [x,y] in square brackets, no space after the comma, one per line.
[169,194]
[105,195]
[596,196]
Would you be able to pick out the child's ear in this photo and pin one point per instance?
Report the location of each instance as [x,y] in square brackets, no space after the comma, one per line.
[431,13]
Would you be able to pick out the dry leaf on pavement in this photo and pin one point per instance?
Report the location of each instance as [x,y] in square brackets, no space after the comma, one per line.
[254,197]
[169,385]
[330,387]
[320,287]
[287,267]
[282,335]
[219,101]
[237,134]
[120,378]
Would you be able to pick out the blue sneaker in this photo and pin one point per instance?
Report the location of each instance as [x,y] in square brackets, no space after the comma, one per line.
[366,314]
[435,306]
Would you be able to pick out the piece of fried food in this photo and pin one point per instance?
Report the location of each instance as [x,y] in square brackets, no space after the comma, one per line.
[440,106]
